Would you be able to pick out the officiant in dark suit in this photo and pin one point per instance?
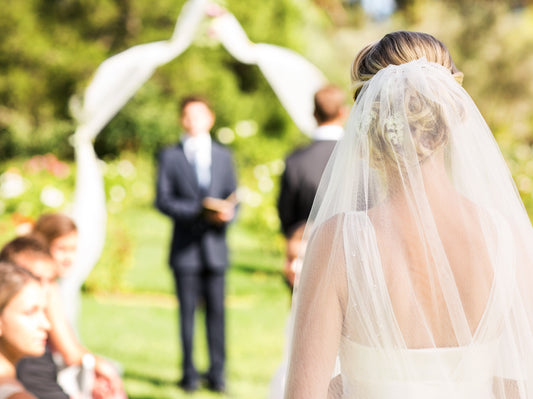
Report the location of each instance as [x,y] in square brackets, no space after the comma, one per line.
[303,170]
[196,186]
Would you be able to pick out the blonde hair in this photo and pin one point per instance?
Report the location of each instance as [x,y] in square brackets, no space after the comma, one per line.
[398,48]
[425,120]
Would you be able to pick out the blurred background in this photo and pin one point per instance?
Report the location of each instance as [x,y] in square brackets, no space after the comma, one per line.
[49,51]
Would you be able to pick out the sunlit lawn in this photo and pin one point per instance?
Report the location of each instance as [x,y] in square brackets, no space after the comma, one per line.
[138,328]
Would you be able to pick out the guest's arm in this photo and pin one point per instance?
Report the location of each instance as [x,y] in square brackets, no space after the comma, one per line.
[64,341]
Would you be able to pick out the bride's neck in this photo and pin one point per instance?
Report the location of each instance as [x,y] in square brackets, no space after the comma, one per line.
[430,174]
[435,176]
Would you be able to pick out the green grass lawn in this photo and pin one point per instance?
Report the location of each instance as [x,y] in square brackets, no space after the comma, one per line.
[138,326]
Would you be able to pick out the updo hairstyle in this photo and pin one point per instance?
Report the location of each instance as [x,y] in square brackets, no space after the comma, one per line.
[425,122]
[397,48]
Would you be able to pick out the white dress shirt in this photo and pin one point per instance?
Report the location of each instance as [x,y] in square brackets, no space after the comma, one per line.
[328,132]
[198,152]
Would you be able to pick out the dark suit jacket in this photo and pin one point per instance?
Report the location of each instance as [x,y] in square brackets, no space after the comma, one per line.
[299,183]
[196,244]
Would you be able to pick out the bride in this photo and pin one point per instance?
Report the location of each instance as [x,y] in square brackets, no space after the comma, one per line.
[417,281]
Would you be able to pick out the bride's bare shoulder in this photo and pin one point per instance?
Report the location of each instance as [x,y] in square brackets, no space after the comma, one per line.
[335,224]
[325,228]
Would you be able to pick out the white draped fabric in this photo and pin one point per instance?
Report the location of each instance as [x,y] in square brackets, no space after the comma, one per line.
[90,216]
[292,77]
[118,78]
[114,83]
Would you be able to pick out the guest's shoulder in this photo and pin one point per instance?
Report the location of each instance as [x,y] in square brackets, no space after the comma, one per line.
[310,150]
[298,152]
[297,156]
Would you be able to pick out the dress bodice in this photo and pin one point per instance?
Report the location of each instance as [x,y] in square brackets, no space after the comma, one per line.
[382,366]
[459,373]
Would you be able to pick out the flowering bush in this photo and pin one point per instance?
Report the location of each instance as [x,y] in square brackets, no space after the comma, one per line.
[43,183]
[40,184]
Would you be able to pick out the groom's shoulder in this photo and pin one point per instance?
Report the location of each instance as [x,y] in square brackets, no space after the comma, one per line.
[221,149]
[171,149]
[169,153]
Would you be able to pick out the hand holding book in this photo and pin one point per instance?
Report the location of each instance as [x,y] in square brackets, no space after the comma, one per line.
[218,210]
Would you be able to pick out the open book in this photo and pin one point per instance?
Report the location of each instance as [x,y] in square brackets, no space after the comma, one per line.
[218,204]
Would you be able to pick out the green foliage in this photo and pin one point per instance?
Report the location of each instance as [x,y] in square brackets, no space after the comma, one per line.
[36,185]
[50,50]
[108,275]
[144,337]
[41,184]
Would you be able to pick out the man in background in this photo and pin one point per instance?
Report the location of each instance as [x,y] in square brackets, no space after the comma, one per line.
[304,168]
[196,186]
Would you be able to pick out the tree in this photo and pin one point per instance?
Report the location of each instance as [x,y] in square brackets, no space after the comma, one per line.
[51,48]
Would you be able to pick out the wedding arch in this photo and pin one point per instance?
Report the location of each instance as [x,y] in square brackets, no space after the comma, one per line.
[293,79]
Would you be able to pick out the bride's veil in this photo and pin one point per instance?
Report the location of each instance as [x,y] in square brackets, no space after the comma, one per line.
[417,275]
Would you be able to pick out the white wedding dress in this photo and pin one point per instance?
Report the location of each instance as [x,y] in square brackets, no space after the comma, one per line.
[366,372]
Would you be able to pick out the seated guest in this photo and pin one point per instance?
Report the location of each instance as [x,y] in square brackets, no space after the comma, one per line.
[23,325]
[39,375]
[61,235]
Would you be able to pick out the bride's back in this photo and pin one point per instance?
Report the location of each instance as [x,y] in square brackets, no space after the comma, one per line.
[433,263]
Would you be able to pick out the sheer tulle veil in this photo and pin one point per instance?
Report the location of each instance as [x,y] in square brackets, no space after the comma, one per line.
[417,275]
